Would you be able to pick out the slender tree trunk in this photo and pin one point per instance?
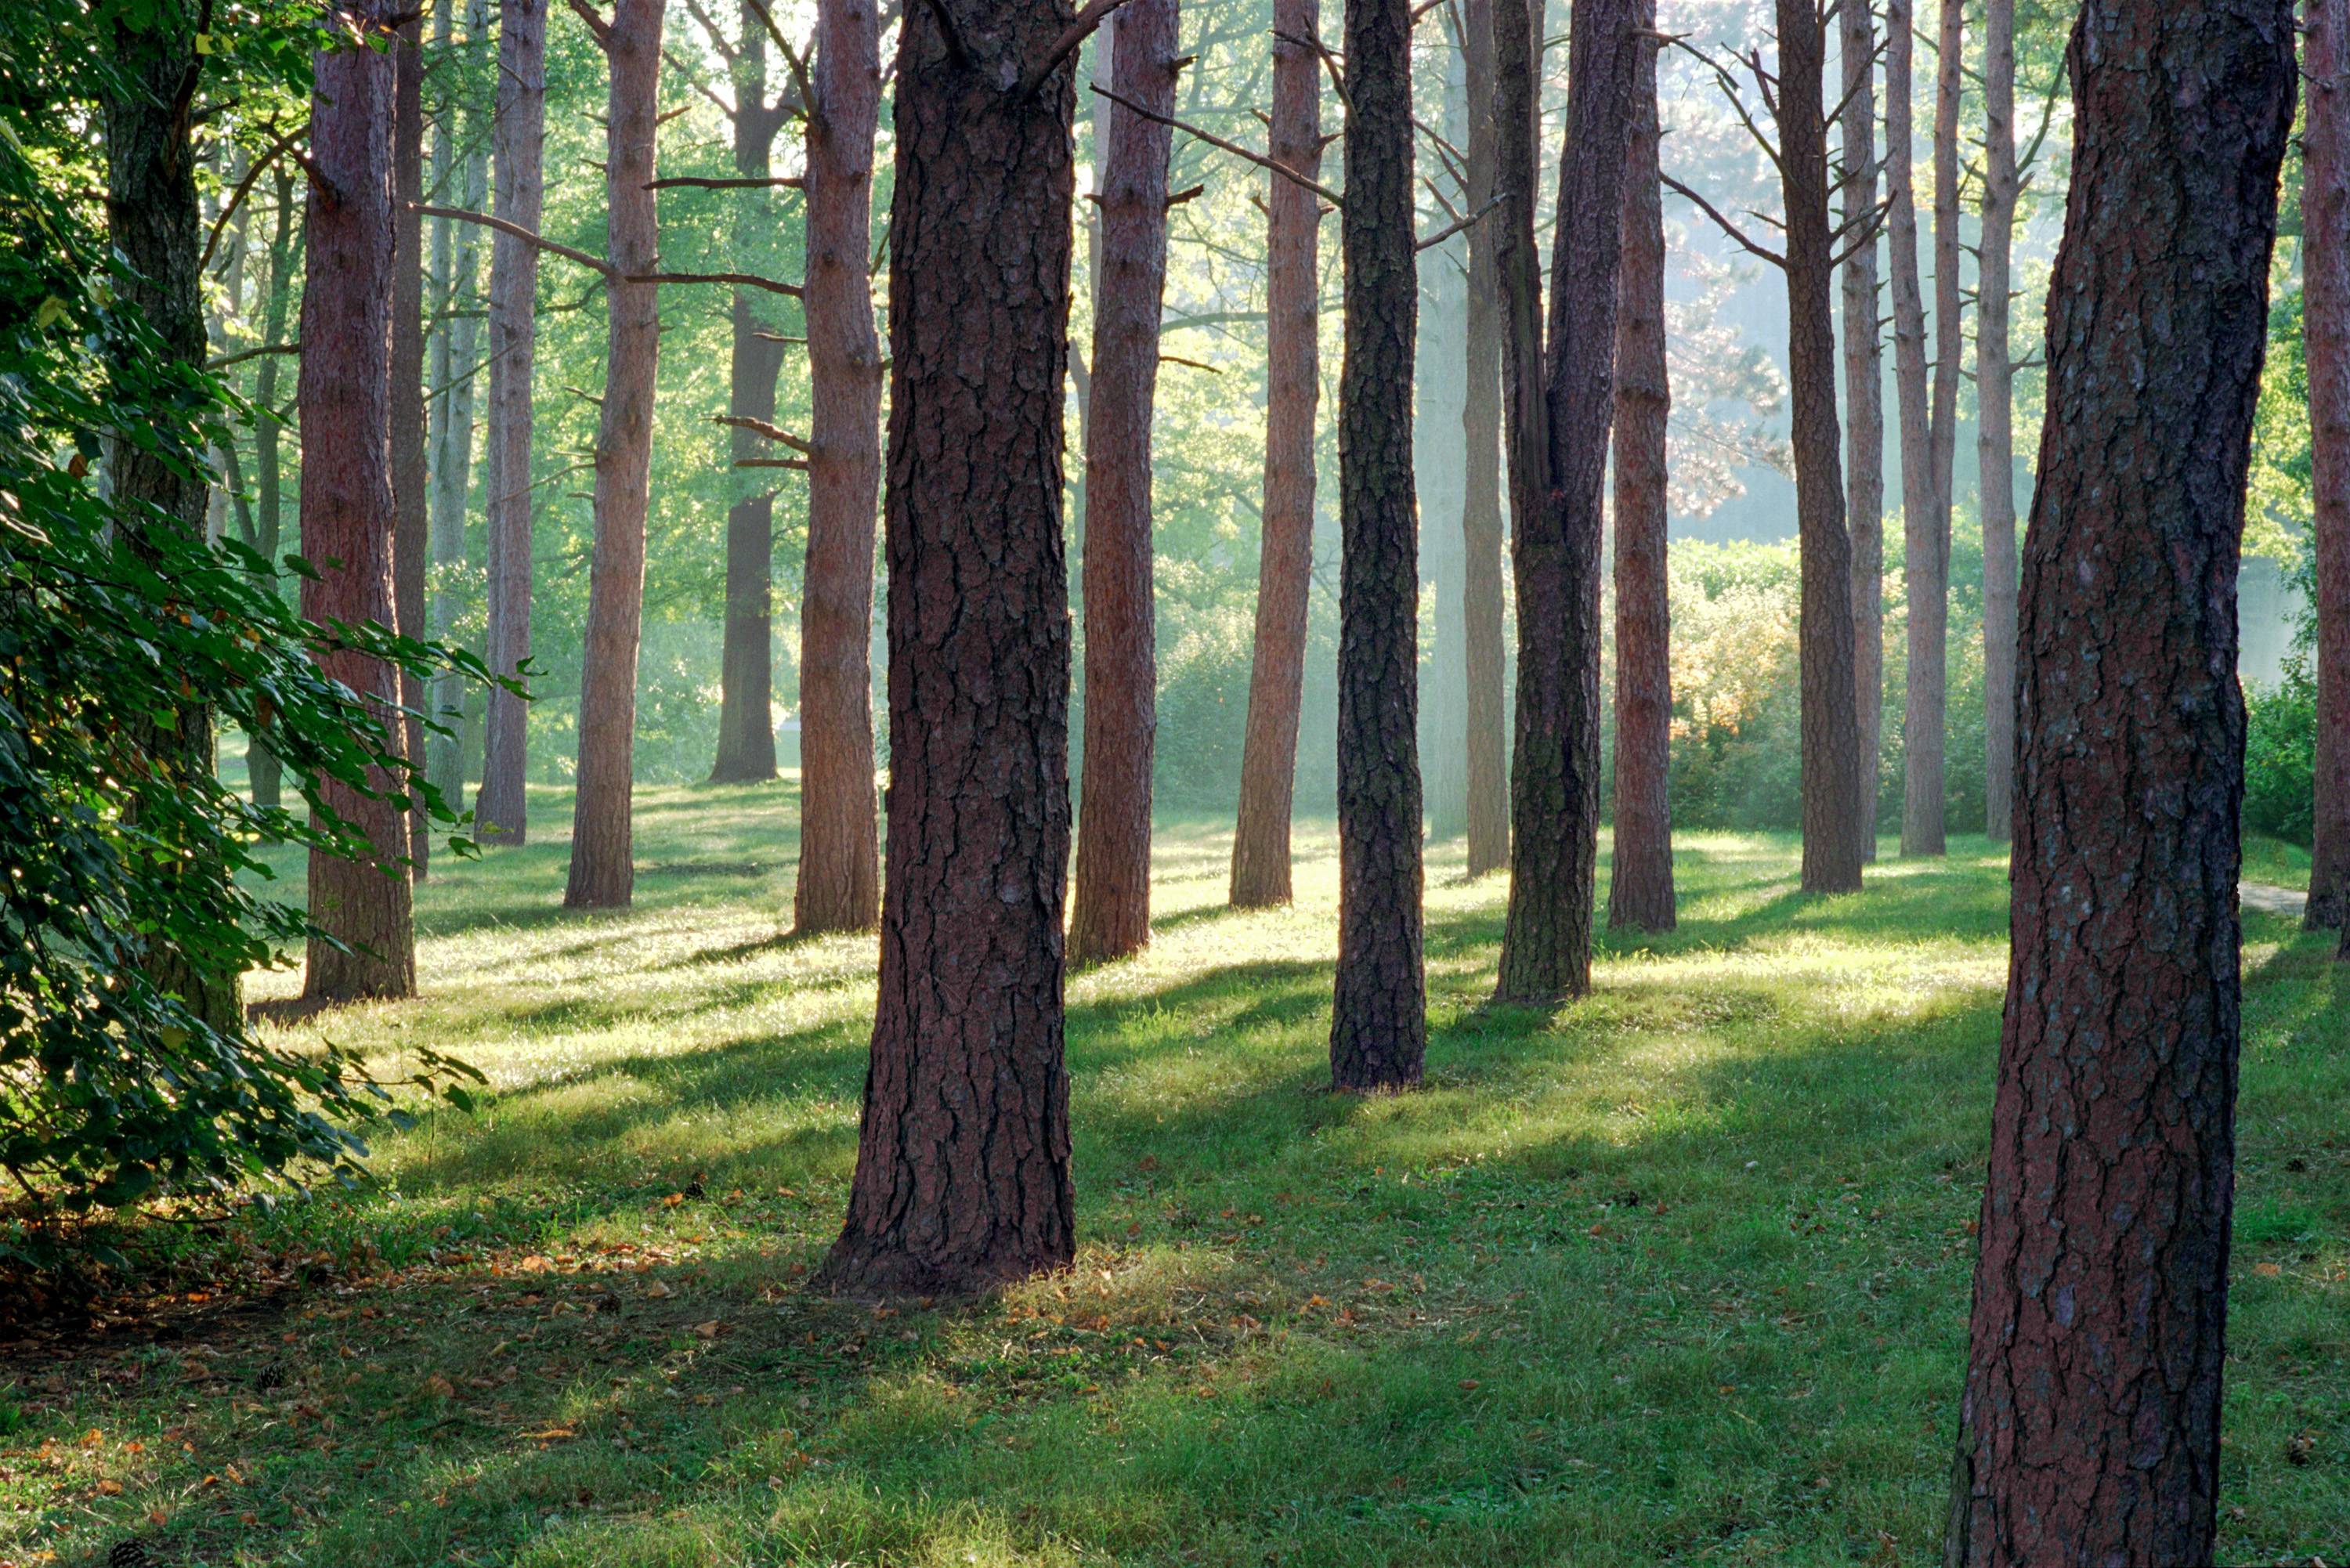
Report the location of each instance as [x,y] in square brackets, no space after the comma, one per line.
[2326,323]
[1864,382]
[502,812]
[2089,1433]
[262,766]
[347,514]
[411,501]
[1924,526]
[962,1158]
[1487,783]
[1640,879]
[442,764]
[839,875]
[1109,915]
[1995,444]
[603,865]
[1293,386]
[1517,124]
[1554,771]
[1949,340]
[1379,1020]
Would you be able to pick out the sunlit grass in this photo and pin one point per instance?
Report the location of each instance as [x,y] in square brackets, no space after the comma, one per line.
[1676,1274]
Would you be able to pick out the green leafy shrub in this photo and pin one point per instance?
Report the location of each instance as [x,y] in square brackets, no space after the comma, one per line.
[2281,756]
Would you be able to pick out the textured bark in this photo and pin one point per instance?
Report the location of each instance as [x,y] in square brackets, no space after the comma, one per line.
[2325,324]
[1863,393]
[1516,30]
[1554,770]
[603,863]
[502,810]
[347,499]
[2089,1433]
[1109,915]
[1292,385]
[1831,728]
[1641,877]
[1378,1017]
[1487,783]
[1924,526]
[1949,341]
[962,1159]
[840,870]
[153,221]
[1994,382]
[263,770]
[411,540]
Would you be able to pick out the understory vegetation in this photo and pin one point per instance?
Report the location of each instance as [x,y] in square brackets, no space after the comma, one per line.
[1678,1274]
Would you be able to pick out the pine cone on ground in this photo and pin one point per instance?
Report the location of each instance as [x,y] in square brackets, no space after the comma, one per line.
[130,1552]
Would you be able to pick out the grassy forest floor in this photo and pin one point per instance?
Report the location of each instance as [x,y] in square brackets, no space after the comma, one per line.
[1677,1275]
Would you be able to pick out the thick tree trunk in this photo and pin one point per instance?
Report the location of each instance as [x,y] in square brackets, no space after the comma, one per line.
[1379,1018]
[1640,878]
[154,223]
[411,540]
[263,770]
[839,875]
[2089,1433]
[1487,783]
[1109,915]
[2326,323]
[1293,386]
[502,809]
[603,865]
[1995,442]
[1924,526]
[1949,340]
[1864,384]
[1554,770]
[962,1159]
[346,501]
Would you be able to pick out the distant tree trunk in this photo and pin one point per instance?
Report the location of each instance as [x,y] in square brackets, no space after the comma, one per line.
[1924,526]
[1864,382]
[502,809]
[603,865]
[962,1158]
[1293,386]
[839,875]
[262,767]
[1554,770]
[1640,880]
[412,502]
[1517,122]
[1995,444]
[1487,783]
[1949,340]
[348,512]
[1111,901]
[154,223]
[2325,322]
[2089,1432]
[1378,1019]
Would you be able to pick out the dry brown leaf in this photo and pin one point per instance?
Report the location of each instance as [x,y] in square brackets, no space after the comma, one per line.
[440,1387]
[707,1330]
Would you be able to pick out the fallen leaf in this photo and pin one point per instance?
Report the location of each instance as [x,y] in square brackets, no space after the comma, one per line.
[440,1387]
[707,1330]
[659,1290]
[2267,1270]
[1470,1384]
[110,1488]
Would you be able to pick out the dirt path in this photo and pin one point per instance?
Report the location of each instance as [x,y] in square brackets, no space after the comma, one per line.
[2276,900]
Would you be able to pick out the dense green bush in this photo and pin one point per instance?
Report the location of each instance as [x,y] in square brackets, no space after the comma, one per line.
[2281,756]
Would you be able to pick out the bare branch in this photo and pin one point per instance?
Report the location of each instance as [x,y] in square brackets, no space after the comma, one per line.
[727,49]
[1454,227]
[791,182]
[1195,364]
[1262,162]
[1727,227]
[1330,62]
[239,359]
[597,26]
[761,427]
[698,85]
[799,462]
[739,279]
[243,188]
[1080,29]
[605,269]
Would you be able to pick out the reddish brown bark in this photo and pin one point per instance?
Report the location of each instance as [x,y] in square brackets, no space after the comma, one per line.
[1863,393]
[1924,526]
[1640,876]
[264,770]
[1555,784]
[1486,783]
[1994,384]
[1950,357]
[1378,1016]
[411,541]
[1111,901]
[2325,324]
[962,1158]
[839,886]
[603,865]
[346,500]
[2089,1433]
[1293,384]
[502,809]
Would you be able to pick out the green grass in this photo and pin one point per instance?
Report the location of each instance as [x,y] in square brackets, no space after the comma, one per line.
[1679,1274]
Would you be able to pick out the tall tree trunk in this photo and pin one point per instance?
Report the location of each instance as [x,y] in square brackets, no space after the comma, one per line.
[1554,771]
[1640,879]
[1487,784]
[1925,526]
[2326,323]
[412,502]
[603,865]
[2089,1432]
[1995,442]
[1378,1019]
[1293,386]
[154,223]
[1109,915]
[1831,728]
[962,1156]
[1949,340]
[839,875]
[1864,383]
[348,512]
[263,769]
[502,811]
